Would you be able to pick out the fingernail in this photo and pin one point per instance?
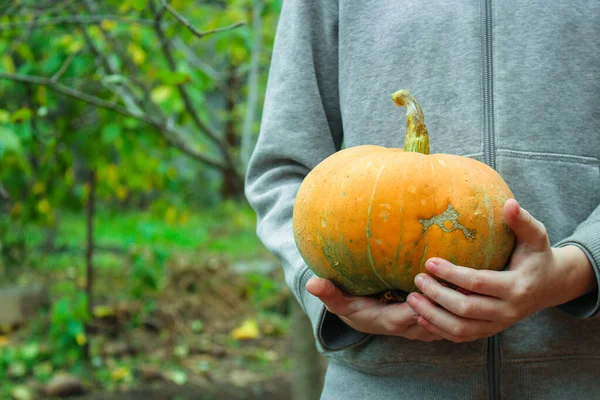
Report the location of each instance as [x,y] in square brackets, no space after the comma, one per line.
[431,265]
[419,280]
[411,298]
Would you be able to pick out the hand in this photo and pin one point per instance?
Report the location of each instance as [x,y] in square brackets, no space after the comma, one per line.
[368,315]
[539,276]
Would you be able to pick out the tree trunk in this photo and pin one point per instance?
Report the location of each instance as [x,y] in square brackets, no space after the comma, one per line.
[309,365]
[89,256]
[231,185]
[250,117]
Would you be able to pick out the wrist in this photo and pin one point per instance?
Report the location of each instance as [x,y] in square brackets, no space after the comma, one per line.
[576,273]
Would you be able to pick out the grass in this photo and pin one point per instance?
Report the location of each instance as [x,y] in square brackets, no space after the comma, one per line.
[228,229]
[148,242]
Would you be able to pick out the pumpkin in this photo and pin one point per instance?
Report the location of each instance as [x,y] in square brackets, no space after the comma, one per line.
[367,218]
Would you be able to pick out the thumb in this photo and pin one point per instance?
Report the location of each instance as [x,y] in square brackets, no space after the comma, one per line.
[530,232]
[334,299]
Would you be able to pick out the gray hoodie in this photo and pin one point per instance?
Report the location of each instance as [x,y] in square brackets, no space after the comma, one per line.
[515,84]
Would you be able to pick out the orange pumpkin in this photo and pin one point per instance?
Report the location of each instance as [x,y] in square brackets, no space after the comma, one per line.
[368,217]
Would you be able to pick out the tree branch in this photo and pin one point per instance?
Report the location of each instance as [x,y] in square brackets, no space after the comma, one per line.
[197,62]
[50,5]
[76,19]
[187,101]
[108,37]
[191,28]
[64,67]
[173,137]
[4,193]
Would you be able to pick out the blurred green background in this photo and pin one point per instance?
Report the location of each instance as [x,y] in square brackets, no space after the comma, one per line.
[129,265]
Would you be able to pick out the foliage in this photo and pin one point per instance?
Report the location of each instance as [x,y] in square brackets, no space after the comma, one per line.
[49,141]
[88,87]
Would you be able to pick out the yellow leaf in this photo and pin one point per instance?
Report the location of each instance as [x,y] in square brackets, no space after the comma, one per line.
[161,93]
[238,54]
[4,341]
[135,30]
[121,374]
[16,209]
[184,218]
[38,188]
[103,311]
[81,339]
[94,32]
[121,192]
[7,64]
[41,95]
[108,25]
[171,215]
[137,53]
[44,207]
[248,330]
[66,40]
[112,174]
[75,46]
[124,7]
[5,116]
[171,173]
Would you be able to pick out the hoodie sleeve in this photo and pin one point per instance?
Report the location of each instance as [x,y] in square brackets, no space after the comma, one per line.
[587,238]
[301,126]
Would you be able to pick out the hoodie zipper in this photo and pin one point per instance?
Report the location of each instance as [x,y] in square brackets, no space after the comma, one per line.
[488,85]
[489,155]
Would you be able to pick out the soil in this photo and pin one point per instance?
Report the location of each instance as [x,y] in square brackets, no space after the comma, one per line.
[272,390]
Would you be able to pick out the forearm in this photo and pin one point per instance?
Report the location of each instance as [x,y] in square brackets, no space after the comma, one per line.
[577,273]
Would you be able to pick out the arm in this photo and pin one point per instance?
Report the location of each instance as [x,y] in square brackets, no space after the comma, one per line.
[584,245]
[301,126]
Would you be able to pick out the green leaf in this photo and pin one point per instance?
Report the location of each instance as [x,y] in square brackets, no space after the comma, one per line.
[111,132]
[17,369]
[173,78]
[161,94]
[131,123]
[21,115]
[30,351]
[178,377]
[139,5]
[4,116]
[9,142]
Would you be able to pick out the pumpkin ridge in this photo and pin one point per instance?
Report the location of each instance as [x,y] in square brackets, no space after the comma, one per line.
[326,253]
[369,233]
[491,232]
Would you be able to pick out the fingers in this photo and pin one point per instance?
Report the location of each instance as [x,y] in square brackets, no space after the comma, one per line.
[529,230]
[467,306]
[334,299]
[491,283]
[418,332]
[449,326]
[368,315]
[434,330]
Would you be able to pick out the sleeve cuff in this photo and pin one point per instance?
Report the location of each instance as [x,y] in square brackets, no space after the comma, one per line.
[588,305]
[331,332]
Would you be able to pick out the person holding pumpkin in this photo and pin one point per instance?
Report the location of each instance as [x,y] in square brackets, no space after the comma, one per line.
[510,84]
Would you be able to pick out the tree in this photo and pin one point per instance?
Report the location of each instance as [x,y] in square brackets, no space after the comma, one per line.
[144,61]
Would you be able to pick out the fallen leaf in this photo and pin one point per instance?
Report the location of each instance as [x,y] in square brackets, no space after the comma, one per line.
[121,374]
[248,330]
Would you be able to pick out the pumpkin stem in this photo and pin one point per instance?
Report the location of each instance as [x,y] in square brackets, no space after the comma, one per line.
[417,137]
